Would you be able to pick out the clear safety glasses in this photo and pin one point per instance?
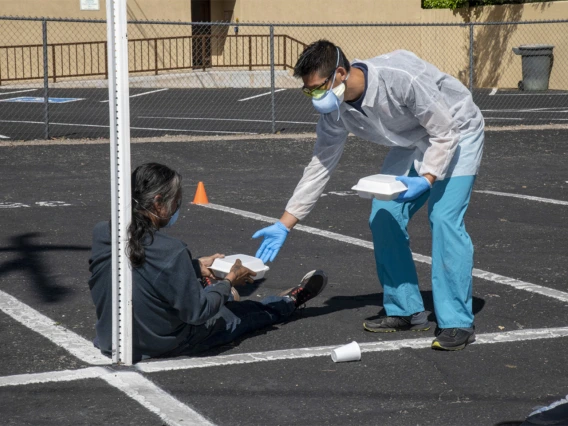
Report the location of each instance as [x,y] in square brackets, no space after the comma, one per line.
[319,91]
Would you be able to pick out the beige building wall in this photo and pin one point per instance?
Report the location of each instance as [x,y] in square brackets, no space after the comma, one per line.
[447,47]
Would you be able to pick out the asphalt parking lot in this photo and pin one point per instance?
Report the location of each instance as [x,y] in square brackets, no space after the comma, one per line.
[83,113]
[53,194]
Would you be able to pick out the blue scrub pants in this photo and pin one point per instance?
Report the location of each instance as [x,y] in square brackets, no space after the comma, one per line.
[452,253]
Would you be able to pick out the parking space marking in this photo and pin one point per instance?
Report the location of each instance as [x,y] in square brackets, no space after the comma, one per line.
[18,91]
[493,91]
[258,96]
[141,94]
[154,399]
[552,109]
[394,345]
[532,94]
[478,273]
[525,197]
[53,376]
[72,342]
[227,119]
[4,137]
[132,127]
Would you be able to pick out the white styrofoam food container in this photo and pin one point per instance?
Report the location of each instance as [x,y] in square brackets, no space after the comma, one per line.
[382,187]
[222,267]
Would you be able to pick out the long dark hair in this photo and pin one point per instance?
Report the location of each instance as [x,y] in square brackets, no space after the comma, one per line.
[148,181]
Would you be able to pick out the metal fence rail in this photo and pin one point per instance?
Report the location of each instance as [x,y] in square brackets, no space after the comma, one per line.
[221,78]
[152,55]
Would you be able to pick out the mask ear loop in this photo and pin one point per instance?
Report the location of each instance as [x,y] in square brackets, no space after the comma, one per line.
[334,75]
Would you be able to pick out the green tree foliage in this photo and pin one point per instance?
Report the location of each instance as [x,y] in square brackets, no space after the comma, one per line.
[456,4]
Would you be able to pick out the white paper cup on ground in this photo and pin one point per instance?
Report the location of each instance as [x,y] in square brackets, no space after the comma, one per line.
[350,352]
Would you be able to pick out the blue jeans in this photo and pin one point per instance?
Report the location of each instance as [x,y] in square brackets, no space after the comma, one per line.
[452,253]
[233,320]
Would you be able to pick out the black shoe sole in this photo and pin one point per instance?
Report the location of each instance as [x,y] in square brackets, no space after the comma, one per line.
[437,346]
[394,330]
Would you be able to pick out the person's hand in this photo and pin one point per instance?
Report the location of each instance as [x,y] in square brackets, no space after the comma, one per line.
[206,261]
[274,237]
[239,274]
[416,187]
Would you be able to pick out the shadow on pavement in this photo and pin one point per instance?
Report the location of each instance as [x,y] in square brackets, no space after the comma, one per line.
[29,261]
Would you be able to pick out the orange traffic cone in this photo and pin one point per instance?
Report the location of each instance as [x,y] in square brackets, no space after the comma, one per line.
[200,195]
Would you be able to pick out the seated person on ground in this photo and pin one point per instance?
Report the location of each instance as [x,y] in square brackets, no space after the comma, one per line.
[177,309]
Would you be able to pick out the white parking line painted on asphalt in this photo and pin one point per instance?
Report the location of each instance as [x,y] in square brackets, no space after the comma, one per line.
[394,345]
[53,376]
[527,110]
[154,399]
[68,340]
[141,94]
[4,137]
[532,94]
[493,91]
[258,96]
[525,197]
[227,119]
[18,91]
[132,127]
[478,273]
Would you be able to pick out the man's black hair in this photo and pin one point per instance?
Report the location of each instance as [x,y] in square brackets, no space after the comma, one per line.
[320,57]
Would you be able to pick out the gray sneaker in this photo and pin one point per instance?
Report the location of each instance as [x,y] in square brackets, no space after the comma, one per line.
[453,339]
[416,322]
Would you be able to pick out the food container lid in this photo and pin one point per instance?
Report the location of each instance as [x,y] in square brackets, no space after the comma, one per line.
[253,263]
[380,184]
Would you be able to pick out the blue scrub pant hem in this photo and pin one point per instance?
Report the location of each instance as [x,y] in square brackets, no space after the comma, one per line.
[459,325]
[399,313]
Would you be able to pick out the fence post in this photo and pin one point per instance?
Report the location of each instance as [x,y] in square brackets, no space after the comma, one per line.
[471,58]
[272,77]
[45,79]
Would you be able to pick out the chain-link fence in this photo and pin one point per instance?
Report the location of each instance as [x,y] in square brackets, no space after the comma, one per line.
[227,78]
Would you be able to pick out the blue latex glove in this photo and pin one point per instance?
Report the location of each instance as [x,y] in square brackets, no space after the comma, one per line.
[416,187]
[274,237]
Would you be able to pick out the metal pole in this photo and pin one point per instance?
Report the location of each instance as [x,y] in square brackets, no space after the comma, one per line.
[471,58]
[45,80]
[121,199]
[272,82]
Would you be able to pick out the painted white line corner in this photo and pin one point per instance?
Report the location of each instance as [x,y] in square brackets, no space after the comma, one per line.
[68,340]
[154,399]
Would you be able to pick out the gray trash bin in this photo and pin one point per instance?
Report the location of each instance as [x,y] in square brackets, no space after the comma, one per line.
[537,62]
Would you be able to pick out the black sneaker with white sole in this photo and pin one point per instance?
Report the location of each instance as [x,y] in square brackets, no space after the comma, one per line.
[416,322]
[311,285]
[453,339]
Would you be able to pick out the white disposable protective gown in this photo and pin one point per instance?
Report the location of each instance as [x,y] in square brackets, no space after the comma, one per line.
[428,118]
